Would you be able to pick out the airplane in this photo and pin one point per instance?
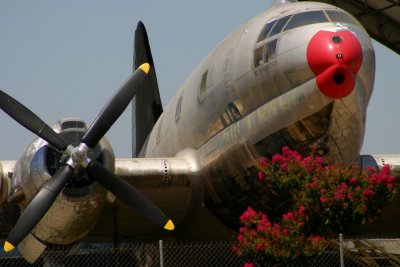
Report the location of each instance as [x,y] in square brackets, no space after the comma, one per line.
[300,74]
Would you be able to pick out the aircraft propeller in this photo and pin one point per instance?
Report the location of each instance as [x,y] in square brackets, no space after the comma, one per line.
[78,160]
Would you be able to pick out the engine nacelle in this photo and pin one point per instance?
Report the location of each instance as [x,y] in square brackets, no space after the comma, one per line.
[377,161]
[76,209]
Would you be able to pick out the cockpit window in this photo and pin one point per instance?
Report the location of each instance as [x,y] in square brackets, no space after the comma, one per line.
[270,50]
[258,56]
[266,30]
[279,25]
[306,18]
[73,125]
[292,21]
[265,53]
[339,16]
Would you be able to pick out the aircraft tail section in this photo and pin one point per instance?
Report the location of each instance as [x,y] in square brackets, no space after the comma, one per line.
[146,106]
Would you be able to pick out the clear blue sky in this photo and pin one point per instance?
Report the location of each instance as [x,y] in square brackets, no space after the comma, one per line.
[66,58]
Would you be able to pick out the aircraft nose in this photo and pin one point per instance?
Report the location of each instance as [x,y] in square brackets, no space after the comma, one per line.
[335,58]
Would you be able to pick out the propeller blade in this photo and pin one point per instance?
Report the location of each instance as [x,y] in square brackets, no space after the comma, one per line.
[38,207]
[115,106]
[128,194]
[31,121]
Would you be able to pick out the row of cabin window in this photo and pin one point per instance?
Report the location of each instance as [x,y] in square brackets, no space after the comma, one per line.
[305,18]
[229,116]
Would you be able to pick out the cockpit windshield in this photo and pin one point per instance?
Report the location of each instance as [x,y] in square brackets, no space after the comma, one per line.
[306,18]
[290,22]
[340,16]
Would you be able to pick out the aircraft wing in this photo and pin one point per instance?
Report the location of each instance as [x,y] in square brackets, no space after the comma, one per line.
[172,184]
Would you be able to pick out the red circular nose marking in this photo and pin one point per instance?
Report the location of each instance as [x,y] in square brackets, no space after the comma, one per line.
[335,58]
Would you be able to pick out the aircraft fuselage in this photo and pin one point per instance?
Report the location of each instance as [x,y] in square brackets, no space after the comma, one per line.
[256,92]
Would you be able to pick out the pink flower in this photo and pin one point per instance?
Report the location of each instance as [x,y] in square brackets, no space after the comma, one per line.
[288,216]
[312,185]
[385,170]
[285,232]
[301,210]
[373,178]
[323,199]
[368,192]
[261,176]
[277,158]
[275,232]
[284,166]
[263,225]
[352,180]
[248,216]
[240,239]
[263,162]
[319,161]
[247,264]
[259,246]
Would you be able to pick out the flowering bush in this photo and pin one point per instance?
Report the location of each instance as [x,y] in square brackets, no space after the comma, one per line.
[324,199]
[276,243]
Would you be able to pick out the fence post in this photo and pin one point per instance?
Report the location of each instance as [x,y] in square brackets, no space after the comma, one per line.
[160,247]
[341,250]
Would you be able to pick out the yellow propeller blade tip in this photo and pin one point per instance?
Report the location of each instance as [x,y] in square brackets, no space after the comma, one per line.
[169,225]
[145,67]
[8,246]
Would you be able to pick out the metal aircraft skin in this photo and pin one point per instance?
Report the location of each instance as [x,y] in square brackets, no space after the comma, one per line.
[297,75]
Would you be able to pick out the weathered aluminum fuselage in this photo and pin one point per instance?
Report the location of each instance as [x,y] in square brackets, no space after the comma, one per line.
[232,110]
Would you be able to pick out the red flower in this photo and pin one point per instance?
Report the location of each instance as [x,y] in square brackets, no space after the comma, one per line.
[323,199]
[385,170]
[319,160]
[248,216]
[301,210]
[277,158]
[261,176]
[263,162]
[240,239]
[312,185]
[263,225]
[368,192]
[284,166]
[285,232]
[288,216]
[352,180]
[248,264]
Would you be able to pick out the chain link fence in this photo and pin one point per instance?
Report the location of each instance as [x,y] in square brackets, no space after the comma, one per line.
[338,252]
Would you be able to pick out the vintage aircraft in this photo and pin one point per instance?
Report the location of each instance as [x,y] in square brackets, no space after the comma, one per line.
[297,75]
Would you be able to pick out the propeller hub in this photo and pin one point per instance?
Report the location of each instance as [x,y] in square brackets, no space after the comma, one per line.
[79,157]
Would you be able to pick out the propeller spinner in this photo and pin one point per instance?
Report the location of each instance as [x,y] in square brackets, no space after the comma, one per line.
[78,159]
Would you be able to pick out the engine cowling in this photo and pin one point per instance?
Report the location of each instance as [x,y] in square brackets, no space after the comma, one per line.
[77,208]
